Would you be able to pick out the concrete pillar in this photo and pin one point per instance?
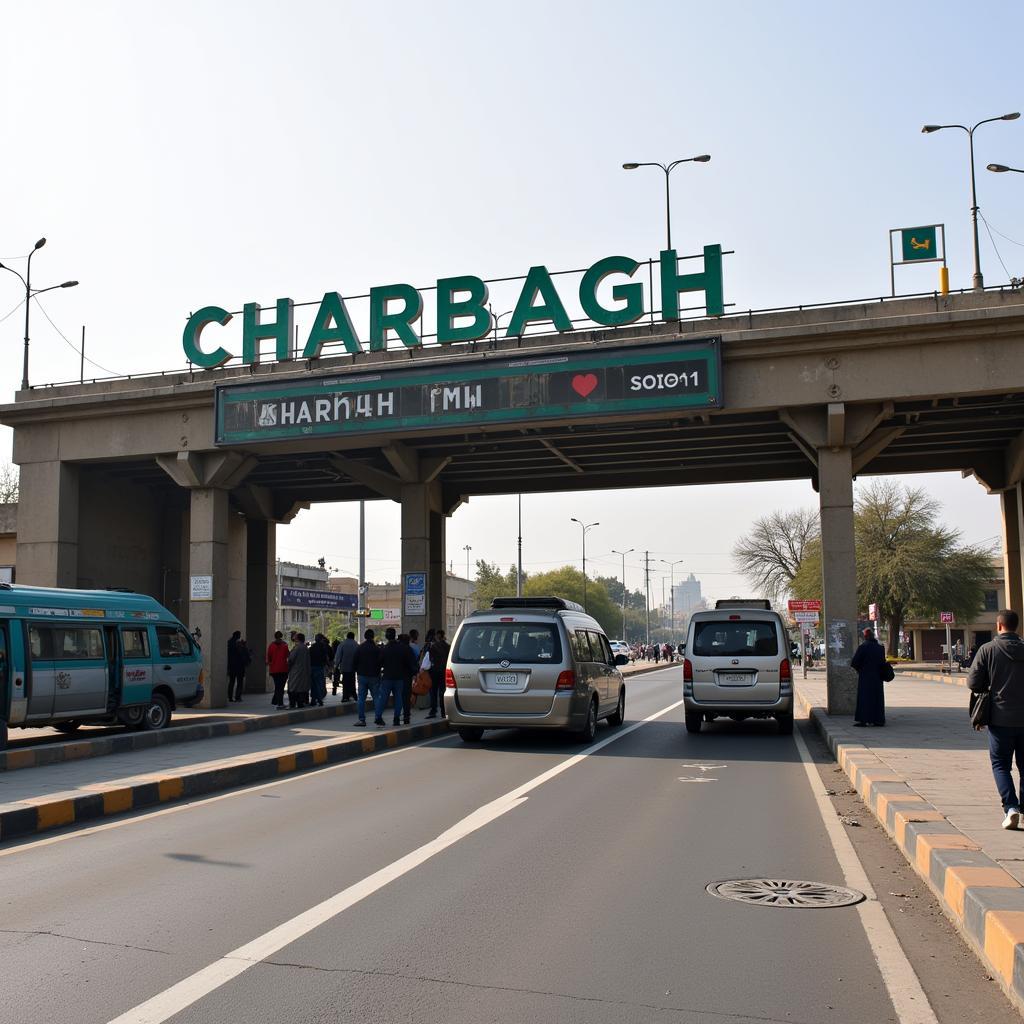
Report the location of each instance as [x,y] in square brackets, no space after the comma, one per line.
[260,578]
[208,556]
[839,576]
[48,525]
[423,529]
[1010,500]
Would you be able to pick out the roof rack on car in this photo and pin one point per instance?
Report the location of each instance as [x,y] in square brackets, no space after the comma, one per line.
[744,602]
[536,602]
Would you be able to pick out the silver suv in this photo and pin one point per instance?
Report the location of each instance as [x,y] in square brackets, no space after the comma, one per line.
[737,665]
[529,663]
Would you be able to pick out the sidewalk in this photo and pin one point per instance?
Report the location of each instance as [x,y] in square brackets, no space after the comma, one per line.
[927,779]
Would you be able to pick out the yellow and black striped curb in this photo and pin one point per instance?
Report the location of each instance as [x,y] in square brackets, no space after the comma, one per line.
[984,902]
[122,742]
[101,800]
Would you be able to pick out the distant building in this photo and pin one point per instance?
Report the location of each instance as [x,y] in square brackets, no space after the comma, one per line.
[294,581]
[687,595]
[384,601]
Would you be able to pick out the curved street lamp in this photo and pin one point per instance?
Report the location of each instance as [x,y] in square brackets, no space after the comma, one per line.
[977,282]
[30,293]
[672,594]
[1002,168]
[585,527]
[668,169]
[623,553]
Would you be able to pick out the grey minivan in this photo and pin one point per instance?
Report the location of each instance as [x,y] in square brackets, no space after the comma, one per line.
[532,663]
[737,665]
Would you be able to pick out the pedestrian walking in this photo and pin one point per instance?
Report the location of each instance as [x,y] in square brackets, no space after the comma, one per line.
[277,666]
[367,669]
[439,648]
[998,670]
[299,675]
[869,661]
[319,658]
[238,661]
[411,667]
[335,670]
[344,664]
[396,661]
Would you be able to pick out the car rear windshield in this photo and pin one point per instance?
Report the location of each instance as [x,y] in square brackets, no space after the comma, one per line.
[734,639]
[525,643]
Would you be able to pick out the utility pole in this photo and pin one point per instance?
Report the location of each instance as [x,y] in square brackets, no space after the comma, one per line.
[519,567]
[361,598]
[647,589]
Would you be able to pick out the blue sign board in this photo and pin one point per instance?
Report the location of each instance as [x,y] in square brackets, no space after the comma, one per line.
[324,600]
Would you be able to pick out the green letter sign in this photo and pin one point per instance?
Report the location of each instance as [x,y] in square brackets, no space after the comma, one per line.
[538,282]
[449,309]
[190,339]
[253,332]
[332,307]
[709,282]
[381,321]
[631,294]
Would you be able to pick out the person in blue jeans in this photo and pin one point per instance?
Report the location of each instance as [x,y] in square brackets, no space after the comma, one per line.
[998,669]
[366,665]
[396,663]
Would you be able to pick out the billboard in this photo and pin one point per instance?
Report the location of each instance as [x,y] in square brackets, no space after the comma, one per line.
[321,600]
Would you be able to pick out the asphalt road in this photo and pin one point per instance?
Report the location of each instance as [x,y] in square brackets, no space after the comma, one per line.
[583,902]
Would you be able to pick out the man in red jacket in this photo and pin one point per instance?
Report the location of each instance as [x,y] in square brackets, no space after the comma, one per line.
[277,665]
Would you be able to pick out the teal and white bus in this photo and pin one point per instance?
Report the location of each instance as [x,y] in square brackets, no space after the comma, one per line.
[70,657]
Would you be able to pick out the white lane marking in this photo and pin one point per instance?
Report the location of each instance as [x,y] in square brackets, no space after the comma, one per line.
[697,778]
[203,801]
[901,981]
[190,990]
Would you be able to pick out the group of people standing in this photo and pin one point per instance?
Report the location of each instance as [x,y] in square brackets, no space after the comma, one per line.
[362,670]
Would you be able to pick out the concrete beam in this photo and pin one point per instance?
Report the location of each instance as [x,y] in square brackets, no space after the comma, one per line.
[835,425]
[874,444]
[404,460]
[207,469]
[559,454]
[384,484]
[1015,461]
[1012,515]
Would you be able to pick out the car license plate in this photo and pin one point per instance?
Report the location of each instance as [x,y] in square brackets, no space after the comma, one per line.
[505,679]
[737,678]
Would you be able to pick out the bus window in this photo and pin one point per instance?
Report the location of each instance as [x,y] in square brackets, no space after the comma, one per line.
[71,643]
[174,642]
[3,663]
[135,642]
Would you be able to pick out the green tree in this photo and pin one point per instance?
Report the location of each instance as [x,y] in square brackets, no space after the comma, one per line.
[567,583]
[770,555]
[907,562]
[491,582]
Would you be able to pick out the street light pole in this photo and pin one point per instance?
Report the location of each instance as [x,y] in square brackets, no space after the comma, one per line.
[977,282]
[623,553]
[668,169]
[519,563]
[1002,168]
[584,527]
[30,293]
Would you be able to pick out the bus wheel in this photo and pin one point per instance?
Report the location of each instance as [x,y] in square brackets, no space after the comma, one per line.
[69,726]
[133,718]
[158,714]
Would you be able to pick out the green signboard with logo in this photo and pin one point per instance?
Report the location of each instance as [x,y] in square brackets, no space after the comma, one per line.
[534,385]
[919,243]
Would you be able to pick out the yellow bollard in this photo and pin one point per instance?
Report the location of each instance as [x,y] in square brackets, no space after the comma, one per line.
[944,280]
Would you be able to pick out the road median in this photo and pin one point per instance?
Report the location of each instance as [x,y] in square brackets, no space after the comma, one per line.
[98,800]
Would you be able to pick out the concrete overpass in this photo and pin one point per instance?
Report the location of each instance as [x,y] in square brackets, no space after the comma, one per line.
[123,482]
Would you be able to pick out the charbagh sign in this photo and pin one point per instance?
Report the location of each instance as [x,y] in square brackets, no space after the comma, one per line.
[462,313]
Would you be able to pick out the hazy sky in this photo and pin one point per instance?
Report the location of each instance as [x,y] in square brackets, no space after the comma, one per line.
[178,155]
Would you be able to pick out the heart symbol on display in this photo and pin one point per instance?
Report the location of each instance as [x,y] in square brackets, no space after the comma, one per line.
[584,383]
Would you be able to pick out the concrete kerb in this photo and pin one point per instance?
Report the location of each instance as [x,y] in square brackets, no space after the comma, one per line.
[103,800]
[984,902]
[120,743]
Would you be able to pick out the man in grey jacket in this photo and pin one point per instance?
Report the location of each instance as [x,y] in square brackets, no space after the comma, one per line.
[345,663]
[998,668]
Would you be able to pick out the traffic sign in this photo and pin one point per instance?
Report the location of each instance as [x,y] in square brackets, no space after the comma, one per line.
[805,606]
[873,612]
[945,616]
[811,618]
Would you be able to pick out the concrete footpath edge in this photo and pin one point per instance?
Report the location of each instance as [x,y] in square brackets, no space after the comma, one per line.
[984,902]
[60,751]
[101,800]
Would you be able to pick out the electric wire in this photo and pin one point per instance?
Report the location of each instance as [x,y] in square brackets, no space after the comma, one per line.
[1000,233]
[12,312]
[995,248]
[74,348]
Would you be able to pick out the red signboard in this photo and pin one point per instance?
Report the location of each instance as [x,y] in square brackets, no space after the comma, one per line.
[805,606]
[945,616]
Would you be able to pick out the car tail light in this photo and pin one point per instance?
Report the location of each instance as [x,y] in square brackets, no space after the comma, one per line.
[785,671]
[449,679]
[566,680]
[687,670]
[202,676]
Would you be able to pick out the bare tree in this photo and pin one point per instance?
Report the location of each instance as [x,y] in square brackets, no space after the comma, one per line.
[770,555]
[8,484]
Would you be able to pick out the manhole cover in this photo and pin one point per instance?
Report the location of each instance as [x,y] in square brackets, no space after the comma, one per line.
[784,892]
